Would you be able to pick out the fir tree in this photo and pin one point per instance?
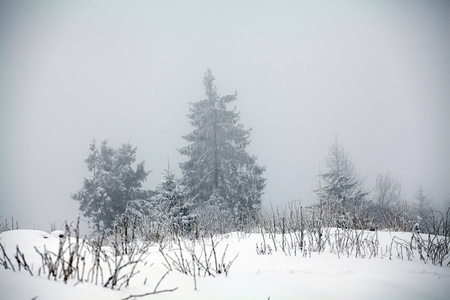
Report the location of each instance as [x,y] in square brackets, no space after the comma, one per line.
[170,203]
[341,184]
[423,209]
[105,196]
[218,161]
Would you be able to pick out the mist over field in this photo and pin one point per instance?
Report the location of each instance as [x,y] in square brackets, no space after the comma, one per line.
[373,74]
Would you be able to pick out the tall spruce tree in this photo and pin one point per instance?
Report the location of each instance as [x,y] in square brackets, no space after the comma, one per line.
[218,162]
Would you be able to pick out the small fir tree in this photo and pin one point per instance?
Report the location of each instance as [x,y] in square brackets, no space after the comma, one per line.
[171,204]
[340,186]
[423,209]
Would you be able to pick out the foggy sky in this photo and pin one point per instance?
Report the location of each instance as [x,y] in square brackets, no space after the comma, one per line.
[376,74]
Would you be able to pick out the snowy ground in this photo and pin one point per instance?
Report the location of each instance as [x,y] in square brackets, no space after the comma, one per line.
[320,276]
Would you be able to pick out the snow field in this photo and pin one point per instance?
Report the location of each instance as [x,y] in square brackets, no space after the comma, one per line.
[323,275]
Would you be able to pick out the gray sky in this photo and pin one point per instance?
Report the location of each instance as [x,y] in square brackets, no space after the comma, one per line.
[374,73]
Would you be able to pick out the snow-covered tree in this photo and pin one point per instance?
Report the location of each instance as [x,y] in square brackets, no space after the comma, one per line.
[388,200]
[171,205]
[218,161]
[340,185]
[387,191]
[105,195]
[423,207]
[214,216]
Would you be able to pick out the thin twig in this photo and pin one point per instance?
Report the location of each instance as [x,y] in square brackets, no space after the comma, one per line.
[151,293]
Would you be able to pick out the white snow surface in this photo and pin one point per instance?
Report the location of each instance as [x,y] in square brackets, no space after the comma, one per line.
[278,276]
